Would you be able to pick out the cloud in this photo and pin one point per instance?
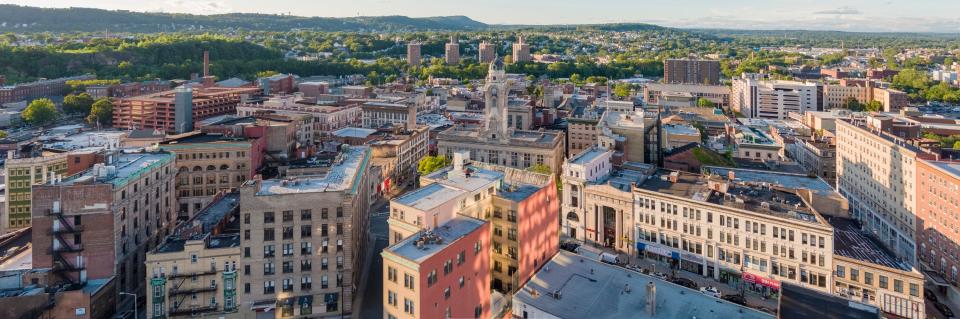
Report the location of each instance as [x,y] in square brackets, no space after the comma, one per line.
[840,10]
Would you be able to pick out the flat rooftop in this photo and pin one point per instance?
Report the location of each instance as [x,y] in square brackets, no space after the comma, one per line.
[343,175]
[477,179]
[128,166]
[591,289]
[754,197]
[85,140]
[429,197]
[471,132]
[787,180]
[952,167]
[23,260]
[588,155]
[354,132]
[800,303]
[213,242]
[681,129]
[849,241]
[417,250]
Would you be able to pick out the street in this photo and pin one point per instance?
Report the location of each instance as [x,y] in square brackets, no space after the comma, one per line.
[369,302]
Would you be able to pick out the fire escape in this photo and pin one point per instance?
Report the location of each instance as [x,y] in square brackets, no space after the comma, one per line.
[63,266]
[178,294]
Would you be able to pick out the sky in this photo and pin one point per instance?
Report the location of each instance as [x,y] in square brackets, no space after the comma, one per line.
[841,15]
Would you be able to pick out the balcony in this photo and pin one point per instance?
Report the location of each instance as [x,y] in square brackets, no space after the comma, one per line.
[192,310]
[179,291]
[191,274]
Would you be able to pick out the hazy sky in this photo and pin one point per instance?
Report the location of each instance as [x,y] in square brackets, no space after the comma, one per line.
[847,15]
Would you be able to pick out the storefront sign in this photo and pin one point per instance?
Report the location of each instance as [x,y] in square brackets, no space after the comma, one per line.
[657,249]
[692,258]
[760,280]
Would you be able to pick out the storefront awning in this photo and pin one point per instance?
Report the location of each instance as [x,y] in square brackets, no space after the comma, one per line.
[760,280]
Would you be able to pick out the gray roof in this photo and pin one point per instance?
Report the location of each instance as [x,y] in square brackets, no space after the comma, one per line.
[591,289]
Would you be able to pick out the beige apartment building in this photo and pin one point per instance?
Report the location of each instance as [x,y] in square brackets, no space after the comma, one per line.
[876,171]
[303,238]
[736,230]
[21,174]
[194,272]
[211,163]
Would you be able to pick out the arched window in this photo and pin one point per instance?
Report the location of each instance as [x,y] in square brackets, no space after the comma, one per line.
[224,167]
[571,216]
[184,169]
[197,168]
[211,167]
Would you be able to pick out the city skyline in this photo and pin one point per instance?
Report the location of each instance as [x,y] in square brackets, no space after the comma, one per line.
[856,15]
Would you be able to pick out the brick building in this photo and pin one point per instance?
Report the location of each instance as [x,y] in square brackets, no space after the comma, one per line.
[103,220]
[691,71]
[160,110]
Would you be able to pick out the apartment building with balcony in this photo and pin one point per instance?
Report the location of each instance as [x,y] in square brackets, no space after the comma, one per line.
[303,239]
[194,272]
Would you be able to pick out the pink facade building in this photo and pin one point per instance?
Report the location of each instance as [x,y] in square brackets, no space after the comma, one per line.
[443,272]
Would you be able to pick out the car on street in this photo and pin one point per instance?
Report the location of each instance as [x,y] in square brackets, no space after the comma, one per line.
[944,309]
[685,282]
[927,293]
[569,246]
[737,299]
[711,291]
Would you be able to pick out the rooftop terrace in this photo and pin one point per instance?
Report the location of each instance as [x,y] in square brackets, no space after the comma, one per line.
[424,244]
[590,289]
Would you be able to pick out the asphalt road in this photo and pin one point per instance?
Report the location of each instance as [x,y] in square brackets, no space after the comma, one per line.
[372,292]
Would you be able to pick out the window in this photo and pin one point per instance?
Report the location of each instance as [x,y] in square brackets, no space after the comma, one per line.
[306,214]
[914,290]
[446,293]
[408,281]
[306,248]
[268,217]
[898,285]
[867,278]
[408,306]
[883,282]
[268,287]
[392,274]
[432,278]
[854,274]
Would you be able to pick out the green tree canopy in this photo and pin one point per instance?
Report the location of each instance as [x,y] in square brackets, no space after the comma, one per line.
[40,112]
[429,164]
[540,168]
[622,90]
[702,102]
[101,112]
[851,103]
[79,103]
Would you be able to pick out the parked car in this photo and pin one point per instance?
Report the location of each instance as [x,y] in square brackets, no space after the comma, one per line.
[711,291]
[943,309]
[685,282]
[569,246]
[927,293]
[609,258]
[737,299]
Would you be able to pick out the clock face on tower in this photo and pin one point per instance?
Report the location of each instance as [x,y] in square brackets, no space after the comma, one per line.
[493,91]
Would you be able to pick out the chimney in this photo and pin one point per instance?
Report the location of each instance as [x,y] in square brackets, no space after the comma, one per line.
[206,63]
[460,161]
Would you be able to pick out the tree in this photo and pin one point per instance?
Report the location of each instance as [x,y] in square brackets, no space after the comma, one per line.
[3,134]
[40,112]
[101,113]
[266,74]
[125,65]
[852,104]
[702,102]
[622,90]
[79,103]
[429,164]
[873,106]
[956,145]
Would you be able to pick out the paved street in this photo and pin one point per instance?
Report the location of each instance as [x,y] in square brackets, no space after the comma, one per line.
[369,301]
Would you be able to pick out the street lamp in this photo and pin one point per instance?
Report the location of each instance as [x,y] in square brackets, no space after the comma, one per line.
[135,314]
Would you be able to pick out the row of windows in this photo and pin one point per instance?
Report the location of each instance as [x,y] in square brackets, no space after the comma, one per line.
[209,155]
[883,282]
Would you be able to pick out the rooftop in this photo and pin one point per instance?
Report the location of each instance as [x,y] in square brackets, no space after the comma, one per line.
[588,155]
[787,180]
[125,167]
[800,303]
[429,197]
[681,129]
[85,140]
[471,132]
[849,241]
[759,197]
[715,89]
[591,289]
[477,179]
[354,132]
[343,175]
[424,244]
